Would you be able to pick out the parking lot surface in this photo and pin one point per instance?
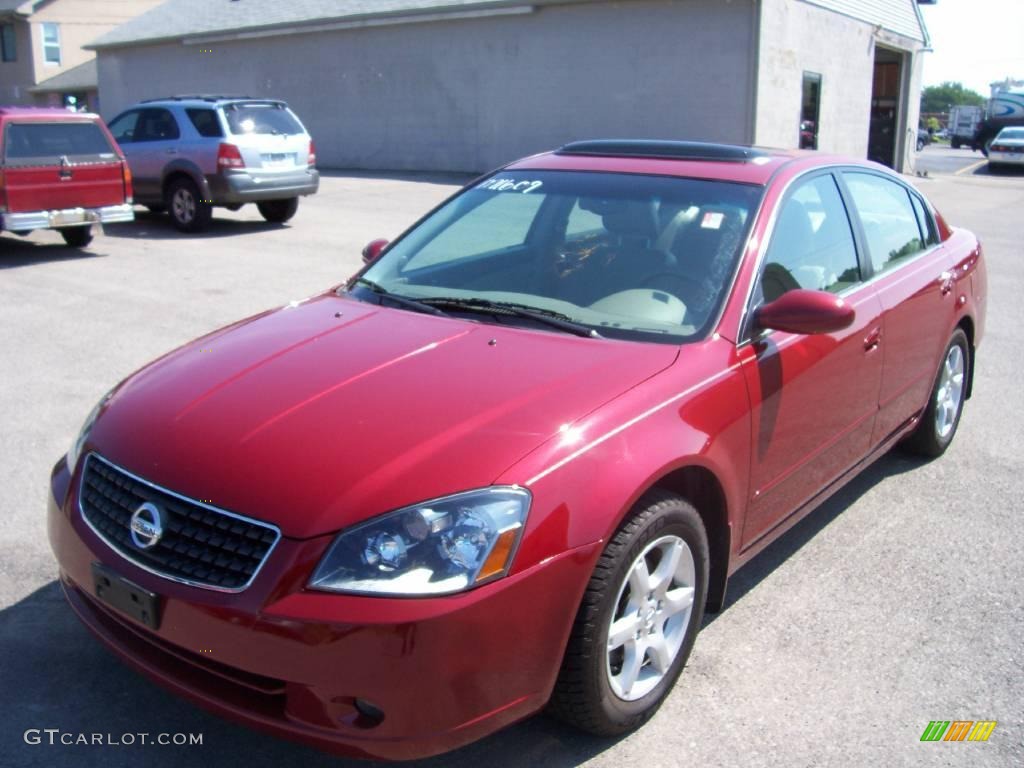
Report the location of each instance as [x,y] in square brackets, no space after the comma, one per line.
[899,602]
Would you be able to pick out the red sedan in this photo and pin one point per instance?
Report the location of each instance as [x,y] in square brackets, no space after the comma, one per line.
[511,463]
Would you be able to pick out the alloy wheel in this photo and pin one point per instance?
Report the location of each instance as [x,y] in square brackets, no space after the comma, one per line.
[651,616]
[950,391]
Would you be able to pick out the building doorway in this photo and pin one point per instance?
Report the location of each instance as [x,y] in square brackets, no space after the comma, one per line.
[886,107]
[810,110]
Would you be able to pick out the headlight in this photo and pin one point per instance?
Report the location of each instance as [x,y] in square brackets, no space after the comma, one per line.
[83,434]
[439,547]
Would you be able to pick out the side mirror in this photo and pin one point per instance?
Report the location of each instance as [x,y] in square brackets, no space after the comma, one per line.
[373,250]
[806,312]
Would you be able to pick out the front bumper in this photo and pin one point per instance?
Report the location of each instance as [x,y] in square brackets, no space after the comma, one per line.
[240,186]
[290,661]
[68,217]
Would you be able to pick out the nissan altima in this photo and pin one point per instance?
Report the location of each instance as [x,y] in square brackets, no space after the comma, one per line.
[510,463]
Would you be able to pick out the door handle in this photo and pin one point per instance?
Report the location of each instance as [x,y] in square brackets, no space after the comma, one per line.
[172,151]
[946,283]
[873,339]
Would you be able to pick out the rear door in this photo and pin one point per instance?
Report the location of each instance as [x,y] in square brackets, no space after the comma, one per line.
[149,138]
[270,138]
[915,282]
[60,164]
[813,398]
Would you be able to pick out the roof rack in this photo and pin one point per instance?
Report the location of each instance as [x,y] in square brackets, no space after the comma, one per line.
[204,97]
[674,150]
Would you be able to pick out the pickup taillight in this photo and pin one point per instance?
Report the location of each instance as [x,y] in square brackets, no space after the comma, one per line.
[126,176]
[312,154]
[229,156]
[3,194]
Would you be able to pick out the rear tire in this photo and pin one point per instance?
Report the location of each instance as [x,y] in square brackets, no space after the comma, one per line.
[77,237]
[278,211]
[940,419]
[188,212]
[955,143]
[630,640]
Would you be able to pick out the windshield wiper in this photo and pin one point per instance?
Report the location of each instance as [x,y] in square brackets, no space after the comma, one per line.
[403,301]
[546,317]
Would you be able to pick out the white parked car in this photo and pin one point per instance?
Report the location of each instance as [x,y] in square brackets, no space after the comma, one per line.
[1007,148]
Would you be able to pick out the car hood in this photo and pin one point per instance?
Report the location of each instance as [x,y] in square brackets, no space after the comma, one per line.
[327,412]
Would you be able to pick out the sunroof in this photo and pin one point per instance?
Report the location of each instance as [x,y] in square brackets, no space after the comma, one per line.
[676,150]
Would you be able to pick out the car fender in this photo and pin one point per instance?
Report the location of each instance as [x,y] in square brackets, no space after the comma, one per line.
[586,480]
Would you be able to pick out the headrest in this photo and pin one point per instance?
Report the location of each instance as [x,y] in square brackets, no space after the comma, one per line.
[635,218]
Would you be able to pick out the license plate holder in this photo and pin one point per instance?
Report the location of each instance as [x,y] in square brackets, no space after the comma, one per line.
[125,596]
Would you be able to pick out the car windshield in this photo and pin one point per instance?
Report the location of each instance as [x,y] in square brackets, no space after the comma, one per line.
[1012,133]
[261,118]
[629,256]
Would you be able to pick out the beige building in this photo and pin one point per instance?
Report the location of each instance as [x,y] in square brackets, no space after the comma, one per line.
[42,60]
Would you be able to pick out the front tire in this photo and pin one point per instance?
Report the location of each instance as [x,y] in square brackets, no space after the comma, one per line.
[189,213]
[638,619]
[77,237]
[278,211]
[941,418]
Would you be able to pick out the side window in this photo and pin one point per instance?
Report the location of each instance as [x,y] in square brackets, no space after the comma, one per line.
[156,125]
[123,127]
[890,223]
[812,245]
[925,221]
[205,122]
[501,221]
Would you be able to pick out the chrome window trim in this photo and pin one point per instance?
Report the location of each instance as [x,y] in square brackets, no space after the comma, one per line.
[161,489]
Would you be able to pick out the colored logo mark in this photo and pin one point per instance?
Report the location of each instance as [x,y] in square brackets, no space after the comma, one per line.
[958,730]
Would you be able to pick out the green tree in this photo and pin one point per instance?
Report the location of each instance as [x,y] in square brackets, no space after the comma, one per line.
[939,98]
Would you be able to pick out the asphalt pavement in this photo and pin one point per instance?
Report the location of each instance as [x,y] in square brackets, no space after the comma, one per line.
[899,602]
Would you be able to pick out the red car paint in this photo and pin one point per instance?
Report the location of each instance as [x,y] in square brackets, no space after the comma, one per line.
[324,414]
[34,190]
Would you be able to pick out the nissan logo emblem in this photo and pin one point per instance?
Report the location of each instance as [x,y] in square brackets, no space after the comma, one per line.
[147,526]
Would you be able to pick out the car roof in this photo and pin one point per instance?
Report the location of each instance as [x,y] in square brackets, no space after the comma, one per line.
[46,113]
[689,159]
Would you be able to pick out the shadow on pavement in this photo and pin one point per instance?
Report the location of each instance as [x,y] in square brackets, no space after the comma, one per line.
[425,177]
[54,674]
[157,226]
[16,252]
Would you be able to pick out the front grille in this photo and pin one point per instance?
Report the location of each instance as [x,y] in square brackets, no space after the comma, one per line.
[200,545]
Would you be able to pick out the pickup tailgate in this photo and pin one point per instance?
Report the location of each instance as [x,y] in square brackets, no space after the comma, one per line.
[57,165]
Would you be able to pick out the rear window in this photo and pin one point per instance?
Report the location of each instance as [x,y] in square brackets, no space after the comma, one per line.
[33,142]
[261,118]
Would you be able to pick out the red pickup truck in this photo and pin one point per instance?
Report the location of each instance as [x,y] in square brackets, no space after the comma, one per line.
[60,170]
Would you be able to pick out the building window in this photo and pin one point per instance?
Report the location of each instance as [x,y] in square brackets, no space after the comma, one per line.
[7,44]
[51,42]
[810,111]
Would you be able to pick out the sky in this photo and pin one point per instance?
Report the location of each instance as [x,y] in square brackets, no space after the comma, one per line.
[975,42]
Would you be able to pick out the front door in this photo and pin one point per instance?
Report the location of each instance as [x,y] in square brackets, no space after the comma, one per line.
[813,398]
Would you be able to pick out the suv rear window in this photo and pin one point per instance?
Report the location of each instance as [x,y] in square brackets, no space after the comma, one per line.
[49,141]
[261,118]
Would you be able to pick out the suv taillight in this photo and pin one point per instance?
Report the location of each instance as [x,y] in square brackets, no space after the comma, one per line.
[312,154]
[228,156]
[126,175]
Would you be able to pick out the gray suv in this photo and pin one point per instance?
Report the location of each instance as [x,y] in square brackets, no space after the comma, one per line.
[188,154]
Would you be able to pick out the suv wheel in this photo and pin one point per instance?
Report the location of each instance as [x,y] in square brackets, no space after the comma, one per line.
[77,237]
[278,211]
[188,212]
